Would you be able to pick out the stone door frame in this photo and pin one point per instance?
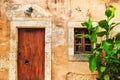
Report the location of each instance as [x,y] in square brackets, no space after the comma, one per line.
[39,18]
[32,23]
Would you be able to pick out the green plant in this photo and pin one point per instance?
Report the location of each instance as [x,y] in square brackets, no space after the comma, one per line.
[104,56]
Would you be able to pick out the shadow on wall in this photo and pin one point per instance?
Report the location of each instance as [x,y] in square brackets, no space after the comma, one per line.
[114,1]
[77,76]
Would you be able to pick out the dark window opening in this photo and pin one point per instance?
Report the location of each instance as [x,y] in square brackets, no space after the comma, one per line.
[81,45]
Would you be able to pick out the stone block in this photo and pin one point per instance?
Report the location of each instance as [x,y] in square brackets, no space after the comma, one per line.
[76,76]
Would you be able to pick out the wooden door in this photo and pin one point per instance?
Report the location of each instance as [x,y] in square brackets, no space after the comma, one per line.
[31,57]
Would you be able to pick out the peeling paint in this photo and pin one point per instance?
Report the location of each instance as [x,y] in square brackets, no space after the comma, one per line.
[115,1]
[4,62]
[58,36]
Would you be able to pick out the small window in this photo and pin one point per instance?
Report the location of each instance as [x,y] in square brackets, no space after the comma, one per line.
[81,45]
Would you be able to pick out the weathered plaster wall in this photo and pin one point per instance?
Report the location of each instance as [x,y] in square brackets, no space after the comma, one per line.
[62,14]
[4,43]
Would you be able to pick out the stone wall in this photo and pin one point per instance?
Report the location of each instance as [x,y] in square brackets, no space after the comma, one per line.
[63,11]
[75,76]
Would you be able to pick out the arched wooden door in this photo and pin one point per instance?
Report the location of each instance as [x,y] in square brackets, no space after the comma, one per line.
[31,54]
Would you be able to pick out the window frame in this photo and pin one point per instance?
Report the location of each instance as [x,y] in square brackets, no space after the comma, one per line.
[82,42]
[71,55]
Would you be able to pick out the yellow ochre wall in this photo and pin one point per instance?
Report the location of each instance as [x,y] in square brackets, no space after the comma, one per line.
[62,12]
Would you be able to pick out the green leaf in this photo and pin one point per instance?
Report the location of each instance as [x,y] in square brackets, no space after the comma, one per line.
[86,36]
[93,36]
[111,40]
[97,29]
[84,24]
[102,68]
[79,35]
[114,51]
[110,13]
[117,40]
[98,46]
[103,24]
[114,25]
[117,43]
[92,63]
[118,51]
[102,33]
[115,60]
[89,24]
[106,77]
[86,55]
[107,46]
[82,35]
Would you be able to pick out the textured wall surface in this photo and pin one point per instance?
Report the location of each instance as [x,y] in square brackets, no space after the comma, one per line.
[75,76]
[62,12]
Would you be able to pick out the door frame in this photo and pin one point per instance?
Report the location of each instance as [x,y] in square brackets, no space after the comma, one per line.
[29,23]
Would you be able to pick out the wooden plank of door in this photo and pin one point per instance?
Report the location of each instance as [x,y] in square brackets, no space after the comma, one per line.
[31,49]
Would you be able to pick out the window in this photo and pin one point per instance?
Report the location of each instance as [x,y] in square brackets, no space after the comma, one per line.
[81,45]
[76,45]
